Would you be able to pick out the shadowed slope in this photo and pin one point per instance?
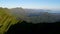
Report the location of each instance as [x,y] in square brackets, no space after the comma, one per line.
[29,28]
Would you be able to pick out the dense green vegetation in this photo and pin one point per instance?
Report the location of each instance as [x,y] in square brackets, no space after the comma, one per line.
[6,20]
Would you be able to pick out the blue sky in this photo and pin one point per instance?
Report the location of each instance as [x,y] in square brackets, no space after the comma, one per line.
[38,4]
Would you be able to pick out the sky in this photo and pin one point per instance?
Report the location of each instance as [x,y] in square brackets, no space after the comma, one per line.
[38,4]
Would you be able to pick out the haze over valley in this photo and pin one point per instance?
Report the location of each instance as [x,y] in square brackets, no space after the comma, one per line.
[38,15]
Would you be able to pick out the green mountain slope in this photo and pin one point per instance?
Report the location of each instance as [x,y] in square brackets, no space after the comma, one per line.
[6,20]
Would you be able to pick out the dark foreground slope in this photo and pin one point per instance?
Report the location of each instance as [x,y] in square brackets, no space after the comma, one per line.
[29,28]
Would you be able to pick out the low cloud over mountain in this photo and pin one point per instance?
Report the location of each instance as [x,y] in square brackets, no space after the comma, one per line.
[37,15]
